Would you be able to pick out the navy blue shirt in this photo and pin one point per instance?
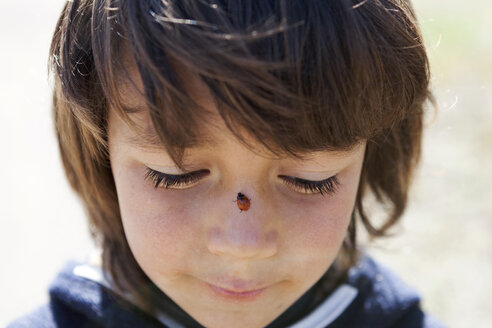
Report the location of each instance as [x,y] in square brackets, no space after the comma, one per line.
[372,296]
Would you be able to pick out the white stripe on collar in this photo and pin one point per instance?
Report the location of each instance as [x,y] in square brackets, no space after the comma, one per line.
[330,309]
[322,316]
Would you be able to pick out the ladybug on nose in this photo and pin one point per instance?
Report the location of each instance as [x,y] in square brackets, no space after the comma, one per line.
[243,202]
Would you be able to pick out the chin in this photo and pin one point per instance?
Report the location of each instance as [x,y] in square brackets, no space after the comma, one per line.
[231,320]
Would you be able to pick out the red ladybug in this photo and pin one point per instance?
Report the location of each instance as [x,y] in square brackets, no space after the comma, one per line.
[243,202]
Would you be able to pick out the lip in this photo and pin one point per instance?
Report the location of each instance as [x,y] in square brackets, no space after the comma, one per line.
[236,289]
[242,294]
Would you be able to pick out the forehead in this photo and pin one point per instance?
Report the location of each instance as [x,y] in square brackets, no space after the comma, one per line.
[141,133]
[213,140]
[219,141]
[212,133]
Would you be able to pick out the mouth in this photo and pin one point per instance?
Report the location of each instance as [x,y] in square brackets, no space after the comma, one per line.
[236,294]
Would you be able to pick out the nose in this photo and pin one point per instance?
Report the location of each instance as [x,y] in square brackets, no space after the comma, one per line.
[243,236]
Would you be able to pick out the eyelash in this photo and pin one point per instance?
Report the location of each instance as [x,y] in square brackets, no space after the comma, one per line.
[327,186]
[163,180]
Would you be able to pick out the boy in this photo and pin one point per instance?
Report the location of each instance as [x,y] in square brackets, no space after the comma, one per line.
[223,150]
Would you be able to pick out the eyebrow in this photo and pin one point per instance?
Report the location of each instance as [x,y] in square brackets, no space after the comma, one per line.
[133,109]
[153,143]
[150,141]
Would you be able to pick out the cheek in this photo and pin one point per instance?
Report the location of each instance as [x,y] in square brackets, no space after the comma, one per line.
[317,228]
[159,229]
[320,228]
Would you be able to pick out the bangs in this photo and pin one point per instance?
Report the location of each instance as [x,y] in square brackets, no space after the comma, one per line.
[298,76]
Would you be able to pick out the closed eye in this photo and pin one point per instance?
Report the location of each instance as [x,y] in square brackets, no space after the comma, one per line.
[175,181]
[182,181]
[326,186]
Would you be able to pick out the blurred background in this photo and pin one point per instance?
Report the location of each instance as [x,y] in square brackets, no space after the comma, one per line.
[443,245]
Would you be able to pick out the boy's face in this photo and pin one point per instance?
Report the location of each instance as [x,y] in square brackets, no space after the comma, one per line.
[224,267]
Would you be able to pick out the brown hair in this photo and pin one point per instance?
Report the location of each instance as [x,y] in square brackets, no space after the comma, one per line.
[298,76]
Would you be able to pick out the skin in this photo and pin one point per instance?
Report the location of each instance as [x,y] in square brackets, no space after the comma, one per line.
[189,237]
